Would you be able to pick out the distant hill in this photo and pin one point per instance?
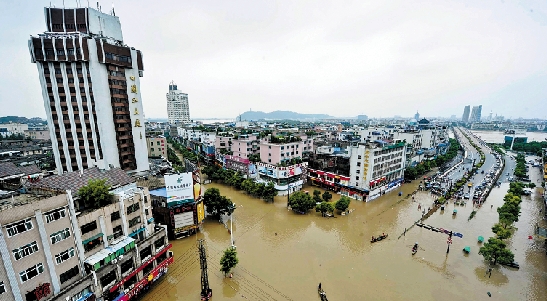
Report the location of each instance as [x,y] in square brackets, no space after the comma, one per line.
[18,119]
[280,115]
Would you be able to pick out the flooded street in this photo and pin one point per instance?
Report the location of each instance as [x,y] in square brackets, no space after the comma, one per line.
[283,255]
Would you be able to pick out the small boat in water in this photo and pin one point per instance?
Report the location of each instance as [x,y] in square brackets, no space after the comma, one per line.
[379,238]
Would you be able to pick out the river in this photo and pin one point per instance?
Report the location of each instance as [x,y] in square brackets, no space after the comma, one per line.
[499,137]
[283,255]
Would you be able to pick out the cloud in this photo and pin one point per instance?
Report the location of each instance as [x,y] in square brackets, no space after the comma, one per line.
[342,58]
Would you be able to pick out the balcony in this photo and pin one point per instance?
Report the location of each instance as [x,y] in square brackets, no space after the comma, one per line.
[109,254]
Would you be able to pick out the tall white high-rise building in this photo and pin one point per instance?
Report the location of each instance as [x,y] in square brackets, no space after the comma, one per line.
[475,114]
[178,110]
[91,90]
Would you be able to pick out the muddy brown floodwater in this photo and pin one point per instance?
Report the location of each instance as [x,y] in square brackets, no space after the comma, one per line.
[337,252]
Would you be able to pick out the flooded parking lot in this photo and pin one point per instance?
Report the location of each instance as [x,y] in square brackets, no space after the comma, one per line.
[283,255]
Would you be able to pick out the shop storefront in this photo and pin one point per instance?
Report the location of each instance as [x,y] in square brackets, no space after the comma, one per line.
[143,285]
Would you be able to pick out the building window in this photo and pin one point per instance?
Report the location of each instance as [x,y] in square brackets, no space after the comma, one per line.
[146,252]
[358,164]
[2,287]
[90,245]
[133,208]
[358,156]
[357,178]
[89,227]
[19,227]
[117,231]
[358,171]
[31,272]
[151,149]
[64,277]
[127,265]
[59,236]
[25,250]
[55,215]
[115,216]
[108,278]
[64,256]
[134,221]
[159,243]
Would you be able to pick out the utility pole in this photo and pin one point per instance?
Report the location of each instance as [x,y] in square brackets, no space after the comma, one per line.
[449,242]
[288,193]
[206,292]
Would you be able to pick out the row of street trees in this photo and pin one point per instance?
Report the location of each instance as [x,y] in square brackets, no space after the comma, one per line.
[302,202]
[520,169]
[236,179]
[411,173]
[495,250]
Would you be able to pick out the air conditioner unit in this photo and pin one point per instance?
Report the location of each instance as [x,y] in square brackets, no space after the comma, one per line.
[121,257]
[114,261]
[126,290]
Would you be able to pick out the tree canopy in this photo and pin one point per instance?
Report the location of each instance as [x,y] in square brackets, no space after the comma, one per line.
[301,202]
[217,204]
[495,251]
[95,194]
[343,203]
[229,260]
[325,207]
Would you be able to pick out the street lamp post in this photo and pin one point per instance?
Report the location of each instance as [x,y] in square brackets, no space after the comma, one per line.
[232,210]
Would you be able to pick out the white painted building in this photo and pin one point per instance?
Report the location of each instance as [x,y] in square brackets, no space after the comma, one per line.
[91,90]
[178,110]
[8,129]
[377,167]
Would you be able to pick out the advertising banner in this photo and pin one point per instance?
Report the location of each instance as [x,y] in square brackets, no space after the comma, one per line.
[201,212]
[179,189]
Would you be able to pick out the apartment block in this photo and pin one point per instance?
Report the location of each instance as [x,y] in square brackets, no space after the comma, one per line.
[90,81]
[278,152]
[157,146]
[245,145]
[377,167]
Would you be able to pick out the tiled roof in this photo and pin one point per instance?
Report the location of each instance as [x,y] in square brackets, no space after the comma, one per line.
[10,169]
[74,181]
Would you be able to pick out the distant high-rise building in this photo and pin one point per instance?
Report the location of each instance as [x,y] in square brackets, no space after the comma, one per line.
[91,90]
[178,110]
[452,117]
[475,114]
[466,110]
[362,117]
[417,116]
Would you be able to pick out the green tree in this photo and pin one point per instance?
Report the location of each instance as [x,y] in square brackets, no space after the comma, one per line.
[95,194]
[343,203]
[495,251]
[501,231]
[317,196]
[217,204]
[247,185]
[270,192]
[327,196]
[300,201]
[228,261]
[324,207]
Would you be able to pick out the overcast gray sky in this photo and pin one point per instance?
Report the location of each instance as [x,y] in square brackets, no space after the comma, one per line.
[343,58]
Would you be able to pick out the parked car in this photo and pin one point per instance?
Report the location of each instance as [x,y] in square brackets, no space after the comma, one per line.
[513,264]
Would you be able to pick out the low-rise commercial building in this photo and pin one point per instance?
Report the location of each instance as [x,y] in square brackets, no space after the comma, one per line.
[157,146]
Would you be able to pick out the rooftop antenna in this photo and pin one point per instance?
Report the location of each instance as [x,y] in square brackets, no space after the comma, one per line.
[113,12]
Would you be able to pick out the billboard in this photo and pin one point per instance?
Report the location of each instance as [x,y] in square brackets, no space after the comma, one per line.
[179,189]
[184,219]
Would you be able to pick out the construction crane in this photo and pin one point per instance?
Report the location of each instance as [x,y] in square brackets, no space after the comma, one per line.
[206,292]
